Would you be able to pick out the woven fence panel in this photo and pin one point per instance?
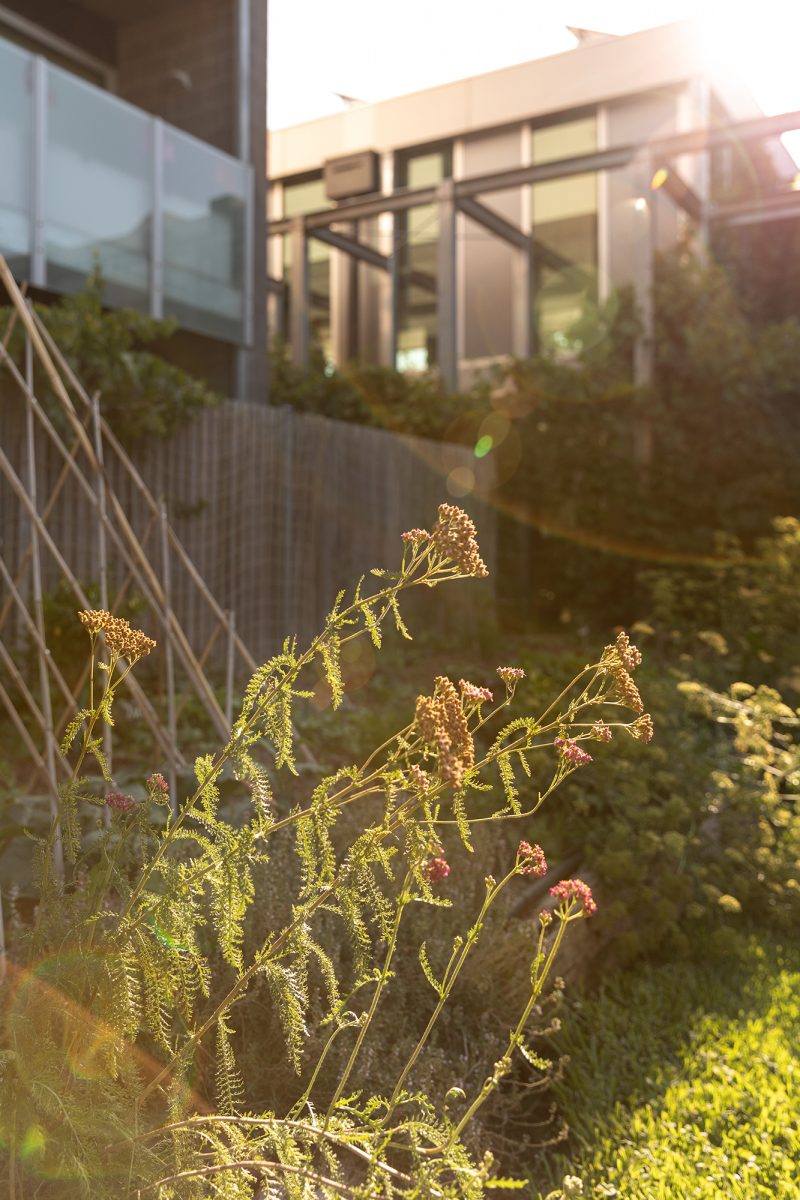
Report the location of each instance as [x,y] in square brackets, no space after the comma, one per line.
[278,511]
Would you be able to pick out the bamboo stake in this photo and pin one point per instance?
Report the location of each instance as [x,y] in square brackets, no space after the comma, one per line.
[88,491]
[19,724]
[229,668]
[12,477]
[22,567]
[250,662]
[102,559]
[202,660]
[33,628]
[170,661]
[38,608]
[149,498]
[153,585]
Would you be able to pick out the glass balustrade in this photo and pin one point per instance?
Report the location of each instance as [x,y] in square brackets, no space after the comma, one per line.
[16,157]
[90,180]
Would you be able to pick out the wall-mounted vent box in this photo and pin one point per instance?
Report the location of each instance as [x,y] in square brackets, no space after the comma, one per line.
[352,175]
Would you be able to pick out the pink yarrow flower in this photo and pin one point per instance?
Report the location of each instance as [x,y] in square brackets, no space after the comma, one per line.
[157,783]
[571,752]
[120,803]
[531,860]
[415,535]
[601,731]
[570,890]
[510,675]
[436,870]
[473,693]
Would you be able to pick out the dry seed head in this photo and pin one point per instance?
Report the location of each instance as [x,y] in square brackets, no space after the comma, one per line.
[120,637]
[642,730]
[441,722]
[626,689]
[454,538]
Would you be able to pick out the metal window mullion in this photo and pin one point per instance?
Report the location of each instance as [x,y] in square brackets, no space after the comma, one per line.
[157,223]
[39,173]
[249,247]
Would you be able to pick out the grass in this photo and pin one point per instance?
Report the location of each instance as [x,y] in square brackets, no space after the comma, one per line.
[683,1079]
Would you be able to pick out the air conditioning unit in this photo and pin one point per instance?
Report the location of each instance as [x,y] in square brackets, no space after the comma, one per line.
[352,175]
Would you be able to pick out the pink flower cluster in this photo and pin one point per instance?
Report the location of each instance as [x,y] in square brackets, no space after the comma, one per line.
[157,783]
[436,870]
[601,731]
[531,860]
[415,535]
[510,675]
[575,889]
[119,802]
[571,752]
[474,694]
[418,779]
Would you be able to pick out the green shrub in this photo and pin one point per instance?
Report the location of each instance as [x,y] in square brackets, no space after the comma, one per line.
[140,393]
[123,997]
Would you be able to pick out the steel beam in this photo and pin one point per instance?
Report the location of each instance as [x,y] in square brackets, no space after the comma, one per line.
[600,160]
[780,207]
[492,221]
[353,247]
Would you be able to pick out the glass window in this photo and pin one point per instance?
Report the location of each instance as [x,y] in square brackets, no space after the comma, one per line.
[304,196]
[417,233]
[204,237]
[564,215]
[99,188]
[16,144]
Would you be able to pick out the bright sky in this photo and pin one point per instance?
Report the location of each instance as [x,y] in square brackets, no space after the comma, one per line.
[373,49]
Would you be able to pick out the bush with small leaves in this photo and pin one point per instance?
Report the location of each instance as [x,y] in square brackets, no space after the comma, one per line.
[121,1044]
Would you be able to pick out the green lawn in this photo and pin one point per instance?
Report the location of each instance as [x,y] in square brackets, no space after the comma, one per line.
[684,1080]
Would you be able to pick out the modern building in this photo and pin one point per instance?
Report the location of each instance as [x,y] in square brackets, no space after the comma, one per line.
[132,135]
[488,217]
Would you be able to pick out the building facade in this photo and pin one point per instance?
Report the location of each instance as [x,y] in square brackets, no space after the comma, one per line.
[507,207]
[132,136]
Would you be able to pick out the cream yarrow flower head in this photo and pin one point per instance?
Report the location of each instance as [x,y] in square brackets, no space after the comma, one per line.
[121,638]
[511,676]
[442,725]
[454,538]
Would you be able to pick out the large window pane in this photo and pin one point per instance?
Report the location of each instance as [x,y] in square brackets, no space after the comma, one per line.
[300,197]
[99,186]
[417,232]
[564,215]
[204,227]
[16,142]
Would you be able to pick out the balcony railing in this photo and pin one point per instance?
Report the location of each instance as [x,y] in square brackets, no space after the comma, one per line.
[87,179]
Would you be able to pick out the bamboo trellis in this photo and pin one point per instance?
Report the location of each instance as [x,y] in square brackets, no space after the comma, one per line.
[85,454]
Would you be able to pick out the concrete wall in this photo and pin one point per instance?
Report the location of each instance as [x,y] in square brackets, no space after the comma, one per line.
[197,37]
[587,75]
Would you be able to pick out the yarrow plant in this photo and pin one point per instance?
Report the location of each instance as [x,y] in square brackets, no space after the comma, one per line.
[121,1001]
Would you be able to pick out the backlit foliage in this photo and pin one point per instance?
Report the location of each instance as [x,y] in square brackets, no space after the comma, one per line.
[119,1061]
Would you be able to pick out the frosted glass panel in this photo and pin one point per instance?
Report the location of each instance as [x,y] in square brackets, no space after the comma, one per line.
[99,189]
[204,221]
[16,148]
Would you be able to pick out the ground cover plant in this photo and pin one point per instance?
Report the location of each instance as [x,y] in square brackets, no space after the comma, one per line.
[123,989]
[682,1078]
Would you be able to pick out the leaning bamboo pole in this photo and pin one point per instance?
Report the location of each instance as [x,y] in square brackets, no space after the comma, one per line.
[148,576]
[149,499]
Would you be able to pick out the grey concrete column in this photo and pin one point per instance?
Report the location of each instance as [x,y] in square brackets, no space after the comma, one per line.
[299,296]
[447,285]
